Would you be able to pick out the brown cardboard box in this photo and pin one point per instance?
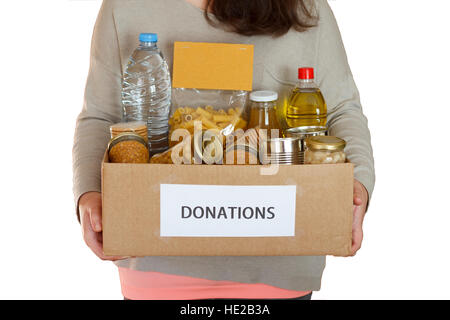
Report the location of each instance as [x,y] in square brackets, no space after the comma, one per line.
[132,215]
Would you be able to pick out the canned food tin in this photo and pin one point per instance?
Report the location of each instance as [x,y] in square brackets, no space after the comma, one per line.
[282,151]
[305,132]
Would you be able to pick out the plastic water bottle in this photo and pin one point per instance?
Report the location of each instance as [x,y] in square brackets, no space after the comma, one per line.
[146,91]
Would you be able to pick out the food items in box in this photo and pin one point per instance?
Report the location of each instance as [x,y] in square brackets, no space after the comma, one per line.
[324,150]
[163,158]
[146,91]
[128,148]
[305,132]
[209,146]
[306,106]
[207,128]
[286,151]
[209,118]
[224,110]
[263,111]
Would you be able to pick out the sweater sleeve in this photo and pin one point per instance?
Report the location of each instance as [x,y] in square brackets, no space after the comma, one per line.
[345,116]
[102,105]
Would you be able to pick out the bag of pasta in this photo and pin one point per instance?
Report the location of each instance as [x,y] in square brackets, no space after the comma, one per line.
[208,116]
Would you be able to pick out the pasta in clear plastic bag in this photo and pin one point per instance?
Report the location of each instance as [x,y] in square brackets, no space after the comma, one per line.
[220,110]
[208,116]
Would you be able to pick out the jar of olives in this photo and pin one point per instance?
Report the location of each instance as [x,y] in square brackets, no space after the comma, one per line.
[324,150]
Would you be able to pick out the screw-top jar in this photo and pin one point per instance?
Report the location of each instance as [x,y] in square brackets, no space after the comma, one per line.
[263,112]
[139,127]
[324,150]
[128,148]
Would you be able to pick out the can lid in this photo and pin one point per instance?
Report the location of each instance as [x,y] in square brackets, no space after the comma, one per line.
[263,96]
[306,73]
[148,37]
[284,146]
[306,131]
[126,136]
[326,143]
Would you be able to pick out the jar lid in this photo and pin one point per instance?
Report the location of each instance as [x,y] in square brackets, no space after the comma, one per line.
[129,126]
[126,136]
[263,96]
[329,143]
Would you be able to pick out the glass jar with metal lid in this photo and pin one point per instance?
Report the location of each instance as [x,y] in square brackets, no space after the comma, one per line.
[324,150]
[263,111]
[128,148]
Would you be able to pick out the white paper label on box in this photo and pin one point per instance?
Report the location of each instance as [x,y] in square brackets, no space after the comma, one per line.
[227,211]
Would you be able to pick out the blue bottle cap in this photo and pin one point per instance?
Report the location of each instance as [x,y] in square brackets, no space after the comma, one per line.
[148,37]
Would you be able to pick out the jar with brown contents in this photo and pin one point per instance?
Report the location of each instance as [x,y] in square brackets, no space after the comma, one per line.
[324,150]
[128,148]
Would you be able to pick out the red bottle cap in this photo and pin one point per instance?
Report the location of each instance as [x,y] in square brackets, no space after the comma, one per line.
[306,73]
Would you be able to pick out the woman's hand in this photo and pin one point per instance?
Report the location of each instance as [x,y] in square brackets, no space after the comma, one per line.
[360,199]
[90,206]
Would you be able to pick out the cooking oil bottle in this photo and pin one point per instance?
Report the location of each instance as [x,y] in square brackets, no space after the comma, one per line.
[306,106]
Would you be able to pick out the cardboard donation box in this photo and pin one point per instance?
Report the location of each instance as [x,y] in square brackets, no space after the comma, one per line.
[225,210]
[159,210]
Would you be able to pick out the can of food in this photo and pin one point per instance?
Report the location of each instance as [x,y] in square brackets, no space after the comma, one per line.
[305,132]
[128,148]
[282,151]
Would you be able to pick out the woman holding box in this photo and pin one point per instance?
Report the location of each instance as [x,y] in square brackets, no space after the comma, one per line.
[286,34]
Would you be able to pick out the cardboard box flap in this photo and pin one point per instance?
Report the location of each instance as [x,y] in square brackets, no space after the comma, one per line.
[213,66]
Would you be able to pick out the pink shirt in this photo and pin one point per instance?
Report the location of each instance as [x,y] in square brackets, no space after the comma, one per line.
[138,285]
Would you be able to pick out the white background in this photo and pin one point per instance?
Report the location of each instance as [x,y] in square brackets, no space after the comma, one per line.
[399,54]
